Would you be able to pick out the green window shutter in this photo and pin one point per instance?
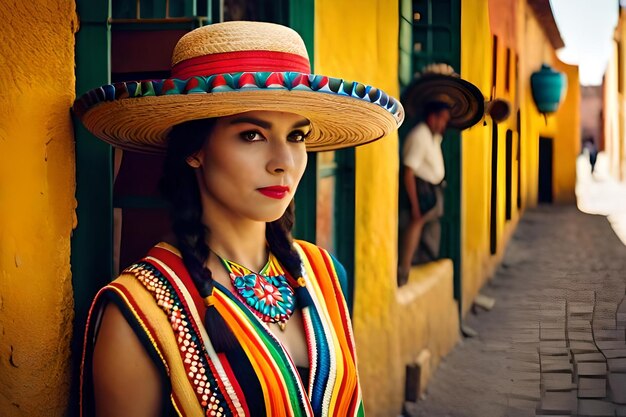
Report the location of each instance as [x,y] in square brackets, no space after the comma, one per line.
[405,43]
[302,20]
[436,37]
[337,175]
[91,245]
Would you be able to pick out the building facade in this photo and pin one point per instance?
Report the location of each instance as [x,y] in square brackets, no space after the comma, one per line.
[614,103]
[70,205]
[526,159]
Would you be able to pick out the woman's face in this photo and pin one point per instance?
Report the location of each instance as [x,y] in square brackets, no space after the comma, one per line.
[251,164]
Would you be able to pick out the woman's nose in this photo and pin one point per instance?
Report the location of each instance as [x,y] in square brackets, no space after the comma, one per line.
[281,158]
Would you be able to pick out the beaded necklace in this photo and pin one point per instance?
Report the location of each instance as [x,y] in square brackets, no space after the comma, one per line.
[268,292]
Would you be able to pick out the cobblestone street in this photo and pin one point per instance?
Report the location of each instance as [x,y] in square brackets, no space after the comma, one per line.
[554,342]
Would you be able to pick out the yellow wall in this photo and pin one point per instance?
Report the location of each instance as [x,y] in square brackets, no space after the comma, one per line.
[567,136]
[615,105]
[391,326]
[563,126]
[476,154]
[36,206]
[610,112]
[529,43]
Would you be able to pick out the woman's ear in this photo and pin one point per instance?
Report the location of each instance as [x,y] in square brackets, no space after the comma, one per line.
[193,161]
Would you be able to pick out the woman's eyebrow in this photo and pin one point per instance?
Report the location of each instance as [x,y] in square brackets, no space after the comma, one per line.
[265,124]
[302,123]
[261,123]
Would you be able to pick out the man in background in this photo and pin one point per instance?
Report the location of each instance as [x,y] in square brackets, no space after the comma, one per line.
[422,174]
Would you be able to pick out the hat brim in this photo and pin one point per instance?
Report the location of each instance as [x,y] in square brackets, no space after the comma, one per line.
[138,115]
[466,101]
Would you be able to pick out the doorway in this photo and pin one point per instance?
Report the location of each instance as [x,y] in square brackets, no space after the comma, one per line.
[546,150]
[493,221]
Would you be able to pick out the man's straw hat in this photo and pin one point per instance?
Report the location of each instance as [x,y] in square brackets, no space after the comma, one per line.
[439,82]
[234,67]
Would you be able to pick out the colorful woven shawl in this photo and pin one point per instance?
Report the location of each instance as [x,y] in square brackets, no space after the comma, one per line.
[160,301]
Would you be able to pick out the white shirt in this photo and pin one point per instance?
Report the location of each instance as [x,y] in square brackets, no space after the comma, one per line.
[422,154]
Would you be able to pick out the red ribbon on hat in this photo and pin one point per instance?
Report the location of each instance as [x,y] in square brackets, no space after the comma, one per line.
[240,61]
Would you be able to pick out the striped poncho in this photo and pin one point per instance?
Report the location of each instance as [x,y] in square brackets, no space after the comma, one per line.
[257,378]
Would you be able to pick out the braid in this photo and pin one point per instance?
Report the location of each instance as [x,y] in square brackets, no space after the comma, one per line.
[280,241]
[179,186]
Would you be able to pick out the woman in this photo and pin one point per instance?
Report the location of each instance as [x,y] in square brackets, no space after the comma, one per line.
[233,317]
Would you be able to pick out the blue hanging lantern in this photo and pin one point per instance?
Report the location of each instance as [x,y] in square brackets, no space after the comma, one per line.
[548,88]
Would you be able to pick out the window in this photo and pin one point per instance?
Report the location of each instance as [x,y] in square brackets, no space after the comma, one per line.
[620,66]
[518,159]
[493,224]
[406,42]
[494,67]
[507,77]
[509,174]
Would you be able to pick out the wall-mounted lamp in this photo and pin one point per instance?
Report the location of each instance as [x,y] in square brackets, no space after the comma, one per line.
[548,88]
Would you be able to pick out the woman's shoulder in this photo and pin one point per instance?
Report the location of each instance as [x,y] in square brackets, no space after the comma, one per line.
[321,259]
[306,244]
[150,275]
[162,253]
[313,251]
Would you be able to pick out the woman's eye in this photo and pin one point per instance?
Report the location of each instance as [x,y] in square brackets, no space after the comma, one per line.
[251,136]
[298,136]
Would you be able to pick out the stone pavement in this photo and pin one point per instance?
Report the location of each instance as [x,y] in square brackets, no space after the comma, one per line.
[554,343]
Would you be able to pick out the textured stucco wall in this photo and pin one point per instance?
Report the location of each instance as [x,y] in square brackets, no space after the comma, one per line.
[363,47]
[563,126]
[517,29]
[36,205]
[610,111]
[614,103]
[536,51]
[567,136]
[360,42]
[476,60]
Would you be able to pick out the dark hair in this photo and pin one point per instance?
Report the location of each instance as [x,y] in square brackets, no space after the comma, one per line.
[434,107]
[179,186]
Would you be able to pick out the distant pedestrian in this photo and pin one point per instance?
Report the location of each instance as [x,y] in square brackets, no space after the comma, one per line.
[589,145]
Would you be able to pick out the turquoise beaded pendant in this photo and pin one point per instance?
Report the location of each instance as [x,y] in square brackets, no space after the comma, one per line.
[271,298]
[268,293]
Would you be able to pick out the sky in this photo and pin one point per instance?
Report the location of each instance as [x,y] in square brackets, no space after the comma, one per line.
[587,28]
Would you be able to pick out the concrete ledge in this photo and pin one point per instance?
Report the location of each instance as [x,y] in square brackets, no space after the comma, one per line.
[428,317]
[423,278]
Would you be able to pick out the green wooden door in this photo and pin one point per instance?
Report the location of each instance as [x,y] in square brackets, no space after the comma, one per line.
[436,37]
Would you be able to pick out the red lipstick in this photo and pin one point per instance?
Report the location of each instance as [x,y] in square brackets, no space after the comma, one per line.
[276,191]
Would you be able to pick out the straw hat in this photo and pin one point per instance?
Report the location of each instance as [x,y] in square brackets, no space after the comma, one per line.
[234,67]
[439,82]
